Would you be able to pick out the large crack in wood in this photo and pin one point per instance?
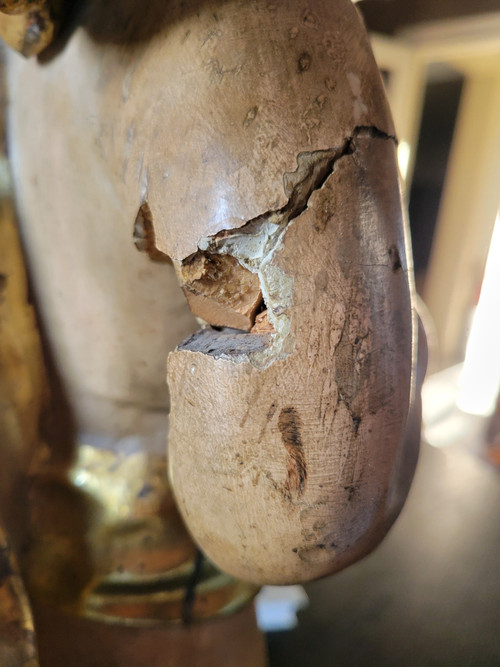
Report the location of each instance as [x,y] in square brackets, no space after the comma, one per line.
[233,278]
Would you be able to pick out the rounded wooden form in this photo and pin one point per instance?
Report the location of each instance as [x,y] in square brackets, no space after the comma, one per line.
[285,472]
[256,139]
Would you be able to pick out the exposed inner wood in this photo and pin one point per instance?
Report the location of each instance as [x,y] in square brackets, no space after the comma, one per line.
[225,343]
[218,286]
[324,405]
[144,235]
[220,290]
[262,324]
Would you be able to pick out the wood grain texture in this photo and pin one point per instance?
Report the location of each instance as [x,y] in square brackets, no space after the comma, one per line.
[203,119]
[285,473]
[287,448]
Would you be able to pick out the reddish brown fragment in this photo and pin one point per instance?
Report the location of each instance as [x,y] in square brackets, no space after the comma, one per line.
[220,290]
[262,324]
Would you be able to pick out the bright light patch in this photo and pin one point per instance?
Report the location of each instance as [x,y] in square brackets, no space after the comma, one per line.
[277,606]
[403,158]
[480,378]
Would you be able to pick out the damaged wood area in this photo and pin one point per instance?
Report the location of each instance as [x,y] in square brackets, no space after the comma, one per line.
[233,282]
[220,290]
[304,424]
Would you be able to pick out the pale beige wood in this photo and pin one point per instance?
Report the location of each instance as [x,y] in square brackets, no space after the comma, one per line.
[219,162]
[110,313]
[231,112]
[283,471]
[100,512]
[285,448]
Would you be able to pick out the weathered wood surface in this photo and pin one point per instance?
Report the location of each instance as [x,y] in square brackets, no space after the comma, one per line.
[287,448]
[283,467]
[80,514]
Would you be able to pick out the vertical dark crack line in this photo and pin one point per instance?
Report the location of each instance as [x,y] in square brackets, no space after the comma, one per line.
[189,598]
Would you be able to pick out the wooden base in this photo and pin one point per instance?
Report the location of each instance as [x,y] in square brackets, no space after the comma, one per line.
[225,641]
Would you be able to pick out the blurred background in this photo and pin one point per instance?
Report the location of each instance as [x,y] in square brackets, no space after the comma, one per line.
[430,594]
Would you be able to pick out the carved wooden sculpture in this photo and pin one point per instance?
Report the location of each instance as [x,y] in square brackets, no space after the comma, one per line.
[247,149]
